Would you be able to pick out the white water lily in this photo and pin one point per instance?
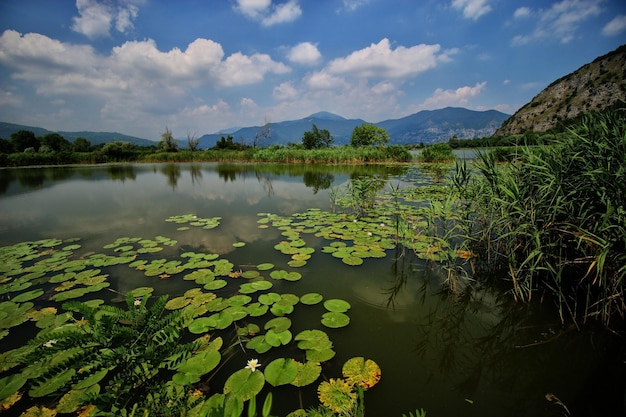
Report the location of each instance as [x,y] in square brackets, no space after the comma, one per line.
[137,302]
[253,364]
[49,343]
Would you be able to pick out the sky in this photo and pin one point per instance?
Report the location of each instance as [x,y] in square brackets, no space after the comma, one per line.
[201,66]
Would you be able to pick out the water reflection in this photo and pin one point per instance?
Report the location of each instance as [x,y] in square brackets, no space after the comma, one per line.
[115,172]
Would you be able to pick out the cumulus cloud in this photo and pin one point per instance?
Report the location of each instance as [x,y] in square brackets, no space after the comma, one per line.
[322,80]
[95,17]
[615,26]
[380,60]
[472,9]
[458,97]
[285,91]
[352,5]
[267,13]
[134,82]
[304,53]
[561,21]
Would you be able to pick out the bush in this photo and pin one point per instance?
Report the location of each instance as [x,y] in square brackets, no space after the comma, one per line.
[437,153]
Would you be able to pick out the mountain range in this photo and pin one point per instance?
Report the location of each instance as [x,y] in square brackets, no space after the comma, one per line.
[596,86]
[428,126]
[96,138]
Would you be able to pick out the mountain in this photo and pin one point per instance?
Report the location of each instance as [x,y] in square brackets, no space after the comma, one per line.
[595,86]
[291,131]
[428,126]
[96,138]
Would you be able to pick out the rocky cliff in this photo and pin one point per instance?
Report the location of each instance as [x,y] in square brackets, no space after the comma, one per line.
[596,86]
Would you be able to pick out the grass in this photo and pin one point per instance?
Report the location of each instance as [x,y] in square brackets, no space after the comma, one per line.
[554,218]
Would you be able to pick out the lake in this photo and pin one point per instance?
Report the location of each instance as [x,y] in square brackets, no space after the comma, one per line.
[473,353]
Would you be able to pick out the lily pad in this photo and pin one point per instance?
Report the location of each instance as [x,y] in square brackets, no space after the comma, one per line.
[177,303]
[307,373]
[265,266]
[201,325]
[278,324]
[337,305]
[362,372]
[311,298]
[215,285]
[244,384]
[335,320]
[276,339]
[27,296]
[239,244]
[259,344]
[352,260]
[281,371]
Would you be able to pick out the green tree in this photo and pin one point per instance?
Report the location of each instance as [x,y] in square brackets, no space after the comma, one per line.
[369,135]
[24,139]
[55,142]
[168,143]
[5,146]
[82,145]
[316,138]
[118,151]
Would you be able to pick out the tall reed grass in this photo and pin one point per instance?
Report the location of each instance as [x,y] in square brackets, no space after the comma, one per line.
[555,218]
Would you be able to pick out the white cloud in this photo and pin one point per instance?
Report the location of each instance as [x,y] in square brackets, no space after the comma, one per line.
[268,14]
[379,60]
[522,12]
[285,91]
[561,21]
[322,80]
[304,53]
[458,97]
[615,26]
[472,9]
[352,5]
[135,84]
[95,17]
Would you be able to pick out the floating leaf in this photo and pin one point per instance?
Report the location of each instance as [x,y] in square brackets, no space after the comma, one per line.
[250,274]
[352,260]
[215,285]
[335,320]
[239,300]
[244,384]
[27,296]
[337,305]
[265,266]
[201,363]
[239,244]
[307,373]
[364,373]
[201,325]
[278,324]
[311,298]
[177,303]
[259,344]
[276,339]
[281,371]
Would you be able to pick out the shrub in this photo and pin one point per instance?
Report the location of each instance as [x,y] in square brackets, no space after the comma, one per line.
[437,153]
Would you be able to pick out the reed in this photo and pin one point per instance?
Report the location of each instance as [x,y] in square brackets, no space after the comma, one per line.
[555,218]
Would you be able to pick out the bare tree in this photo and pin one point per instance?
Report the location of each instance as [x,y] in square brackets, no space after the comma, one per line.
[265,132]
[192,141]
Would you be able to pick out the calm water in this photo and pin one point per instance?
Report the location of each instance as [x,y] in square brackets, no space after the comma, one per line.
[473,354]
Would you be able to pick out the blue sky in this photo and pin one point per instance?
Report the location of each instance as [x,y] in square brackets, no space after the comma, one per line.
[200,66]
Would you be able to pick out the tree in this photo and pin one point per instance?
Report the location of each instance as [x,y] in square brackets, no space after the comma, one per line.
[24,139]
[369,135]
[316,138]
[82,145]
[265,132]
[192,142]
[5,146]
[55,142]
[168,143]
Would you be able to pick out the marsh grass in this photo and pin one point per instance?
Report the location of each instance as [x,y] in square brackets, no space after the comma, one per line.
[554,218]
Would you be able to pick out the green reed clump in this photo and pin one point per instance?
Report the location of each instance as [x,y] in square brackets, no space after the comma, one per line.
[555,218]
[334,155]
[438,152]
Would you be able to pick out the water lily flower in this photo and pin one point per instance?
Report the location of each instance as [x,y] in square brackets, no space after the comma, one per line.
[137,302]
[49,343]
[253,364]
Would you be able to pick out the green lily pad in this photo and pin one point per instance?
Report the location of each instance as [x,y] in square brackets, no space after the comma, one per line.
[177,303]
[276,339]
[141,291]
[307,373]
[265,266]
[244,384]
[281,371]
[257,309]
[337,305]
[239,244]
[281,309]
[352,260]
[250,274]
[311,298]
[215,285]
[322,355]
[269,298]
[259,344]
[278,324]
[239,300]
[201,363]
[27,296]
[201,325]
[335,320]
[223,319]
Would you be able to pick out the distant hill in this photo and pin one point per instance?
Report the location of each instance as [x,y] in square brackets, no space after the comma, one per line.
[96,138]
[428,126]
[595,86]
